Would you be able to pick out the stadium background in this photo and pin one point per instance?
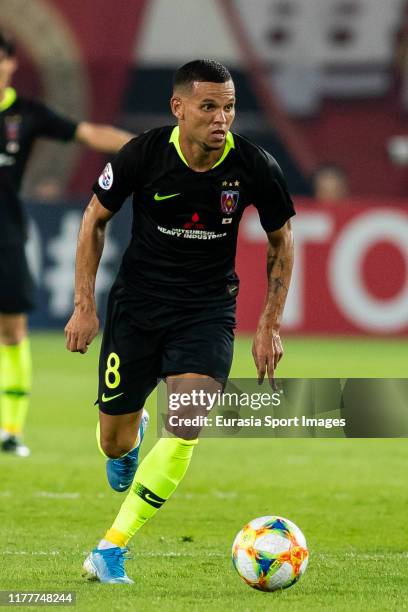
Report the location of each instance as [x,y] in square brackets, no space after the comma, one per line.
[317,81]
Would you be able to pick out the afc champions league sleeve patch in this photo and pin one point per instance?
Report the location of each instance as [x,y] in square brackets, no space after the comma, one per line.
[106,179]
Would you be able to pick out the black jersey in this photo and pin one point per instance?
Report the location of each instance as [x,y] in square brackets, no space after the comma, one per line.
[21,122]
[185,223]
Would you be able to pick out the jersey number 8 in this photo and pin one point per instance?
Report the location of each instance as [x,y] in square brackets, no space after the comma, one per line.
[112,376]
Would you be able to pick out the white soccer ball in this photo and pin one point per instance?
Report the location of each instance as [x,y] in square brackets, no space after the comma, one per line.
[270,553]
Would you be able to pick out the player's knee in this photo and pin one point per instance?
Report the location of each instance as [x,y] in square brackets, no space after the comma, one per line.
[10,336]
[183,429]
[184,433]
[115,447]
[12,329]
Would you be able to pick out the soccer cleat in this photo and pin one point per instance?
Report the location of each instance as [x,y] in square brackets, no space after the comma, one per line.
[107,566]
[121,471]
[13,445]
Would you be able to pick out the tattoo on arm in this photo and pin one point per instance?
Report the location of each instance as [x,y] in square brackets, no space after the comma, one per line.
[279,269]
[275,268]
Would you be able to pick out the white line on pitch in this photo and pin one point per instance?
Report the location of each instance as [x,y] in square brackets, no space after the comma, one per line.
[53,495]
[198,553]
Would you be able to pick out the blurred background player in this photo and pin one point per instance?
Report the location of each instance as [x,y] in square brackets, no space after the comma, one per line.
[171,312]
[330,184]
[22,121]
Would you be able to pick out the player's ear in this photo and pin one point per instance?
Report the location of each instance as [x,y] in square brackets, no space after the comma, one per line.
[177,107]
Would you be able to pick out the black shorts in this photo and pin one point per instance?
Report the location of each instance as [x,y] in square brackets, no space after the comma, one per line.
[145,340]
[16,283]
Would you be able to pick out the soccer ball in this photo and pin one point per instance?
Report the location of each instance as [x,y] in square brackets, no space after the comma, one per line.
[270,553]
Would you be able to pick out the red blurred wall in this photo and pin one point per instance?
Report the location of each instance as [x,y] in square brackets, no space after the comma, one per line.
[350,275]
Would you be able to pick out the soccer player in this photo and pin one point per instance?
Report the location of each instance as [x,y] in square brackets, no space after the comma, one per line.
[171,310]
[22,121]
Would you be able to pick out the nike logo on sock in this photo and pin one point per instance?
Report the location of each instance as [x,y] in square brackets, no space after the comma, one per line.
[148,496]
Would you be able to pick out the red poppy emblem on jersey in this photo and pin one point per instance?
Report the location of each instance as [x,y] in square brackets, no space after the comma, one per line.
[194,223]
[12,125]
[229,201]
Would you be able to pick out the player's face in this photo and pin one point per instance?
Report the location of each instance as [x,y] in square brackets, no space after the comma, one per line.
[207,112]
[8,66]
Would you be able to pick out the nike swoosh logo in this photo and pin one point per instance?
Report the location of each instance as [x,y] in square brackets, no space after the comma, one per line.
[158,197]
[112,397]
[148,498]
[121,486]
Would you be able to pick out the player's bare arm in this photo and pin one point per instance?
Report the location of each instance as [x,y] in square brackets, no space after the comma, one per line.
[83,325]
[267,346]
[104,138]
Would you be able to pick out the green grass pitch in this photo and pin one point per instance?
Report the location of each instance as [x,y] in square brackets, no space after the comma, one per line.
[348,496]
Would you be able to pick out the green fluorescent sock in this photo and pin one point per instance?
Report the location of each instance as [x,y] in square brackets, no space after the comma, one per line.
[15,382]
[156,479]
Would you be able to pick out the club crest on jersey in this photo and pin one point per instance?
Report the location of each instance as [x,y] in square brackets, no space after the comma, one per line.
[106,179]
[229,201]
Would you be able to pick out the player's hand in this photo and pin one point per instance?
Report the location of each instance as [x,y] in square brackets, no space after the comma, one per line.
[80,330]
[267,351]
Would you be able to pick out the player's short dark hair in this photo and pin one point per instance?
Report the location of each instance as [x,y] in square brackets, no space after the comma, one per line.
[7,44]
[201,70]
